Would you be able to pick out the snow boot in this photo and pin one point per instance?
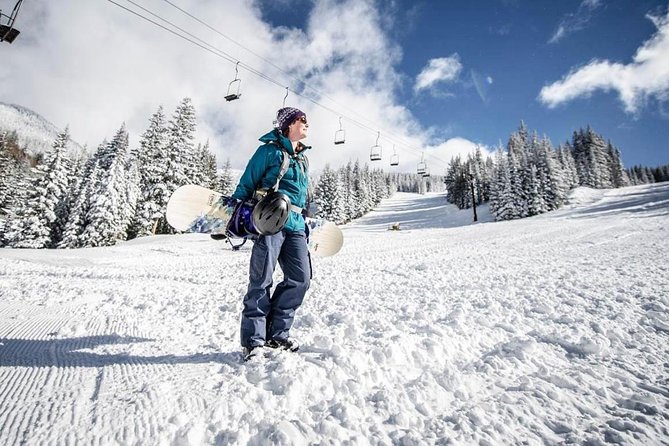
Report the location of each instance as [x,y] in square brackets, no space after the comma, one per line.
[284,344]
[251,352]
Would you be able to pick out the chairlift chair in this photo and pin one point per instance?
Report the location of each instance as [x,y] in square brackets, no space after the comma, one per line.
[234,86]
[422,168]
[233,90]
[340,135]
[426,173]
[395,159]
[7,31]
[375,153]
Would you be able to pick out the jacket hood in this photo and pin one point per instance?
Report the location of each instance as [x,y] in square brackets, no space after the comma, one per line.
[275,136]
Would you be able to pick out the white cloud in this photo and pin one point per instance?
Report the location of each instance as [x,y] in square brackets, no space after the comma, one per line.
[592,4]
[94,66]
[442,69]
[645,77]
[577,21]
[456,147]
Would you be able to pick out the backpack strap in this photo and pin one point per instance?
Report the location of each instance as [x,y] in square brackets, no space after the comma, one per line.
[285,163]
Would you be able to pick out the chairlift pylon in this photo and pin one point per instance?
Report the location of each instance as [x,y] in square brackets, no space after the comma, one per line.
[340,135]
[234,86]
[7,31]
[375,153]
[395,159]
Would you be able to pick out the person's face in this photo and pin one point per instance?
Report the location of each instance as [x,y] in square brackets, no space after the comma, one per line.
[298,129]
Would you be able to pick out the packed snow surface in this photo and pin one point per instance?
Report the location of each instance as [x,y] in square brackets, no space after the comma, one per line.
[552,329]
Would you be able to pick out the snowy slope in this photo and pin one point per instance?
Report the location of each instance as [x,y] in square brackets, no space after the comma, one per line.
[36,134]
[553,329]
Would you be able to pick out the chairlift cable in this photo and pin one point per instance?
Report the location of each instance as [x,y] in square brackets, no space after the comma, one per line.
[223,55]
[299,80]
[210,48]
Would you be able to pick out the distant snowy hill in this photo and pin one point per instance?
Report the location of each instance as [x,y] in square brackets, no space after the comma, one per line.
[547,330]
[36,134]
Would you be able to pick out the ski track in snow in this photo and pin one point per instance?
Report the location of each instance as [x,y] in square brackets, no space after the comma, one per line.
[547,330]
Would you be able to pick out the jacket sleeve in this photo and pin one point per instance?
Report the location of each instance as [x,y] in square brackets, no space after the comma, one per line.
[257,170]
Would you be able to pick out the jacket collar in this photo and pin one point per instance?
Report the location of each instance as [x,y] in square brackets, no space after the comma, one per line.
[276,137]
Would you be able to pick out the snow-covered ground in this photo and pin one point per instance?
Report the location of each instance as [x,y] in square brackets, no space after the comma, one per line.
[553,329]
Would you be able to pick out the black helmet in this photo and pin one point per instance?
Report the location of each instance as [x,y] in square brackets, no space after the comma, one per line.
[271,213]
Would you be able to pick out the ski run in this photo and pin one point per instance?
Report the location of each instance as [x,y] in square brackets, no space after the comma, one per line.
[547,330]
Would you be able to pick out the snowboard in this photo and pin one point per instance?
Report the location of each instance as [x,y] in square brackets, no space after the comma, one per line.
[193,208]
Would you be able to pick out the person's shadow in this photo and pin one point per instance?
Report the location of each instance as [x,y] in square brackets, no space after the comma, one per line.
[67,353]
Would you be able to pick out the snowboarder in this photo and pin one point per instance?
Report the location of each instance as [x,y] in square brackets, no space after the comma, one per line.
[267,319]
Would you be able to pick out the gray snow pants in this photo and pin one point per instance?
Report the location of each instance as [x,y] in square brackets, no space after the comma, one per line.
[267,317]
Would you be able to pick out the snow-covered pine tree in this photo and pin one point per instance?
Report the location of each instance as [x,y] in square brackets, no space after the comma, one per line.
[328,196]
[362,189]
[34,223]
[590,155]
[458,191]
[181,145]
[180,158]
[568,165]
[197,176]
[225,180]
[79,210]
[536,204]
[379,186]
[600,168]
[132,193]
[68,205]
[552,184]
[502,202]
[207,162]
[153,193]
[518,189]
[111,200]
[616,169]
[7,176]
[347,181]
[663,173]
[13,168]
[482,170]
[518,149]
[648,175]
[581,156]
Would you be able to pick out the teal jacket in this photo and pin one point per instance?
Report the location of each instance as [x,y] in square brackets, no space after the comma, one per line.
[263,169]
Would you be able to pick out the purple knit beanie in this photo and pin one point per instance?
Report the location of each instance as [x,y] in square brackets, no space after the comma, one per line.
[286,116]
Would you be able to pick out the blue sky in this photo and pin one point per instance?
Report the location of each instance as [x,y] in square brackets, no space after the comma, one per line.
[506,51]
[430,79]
